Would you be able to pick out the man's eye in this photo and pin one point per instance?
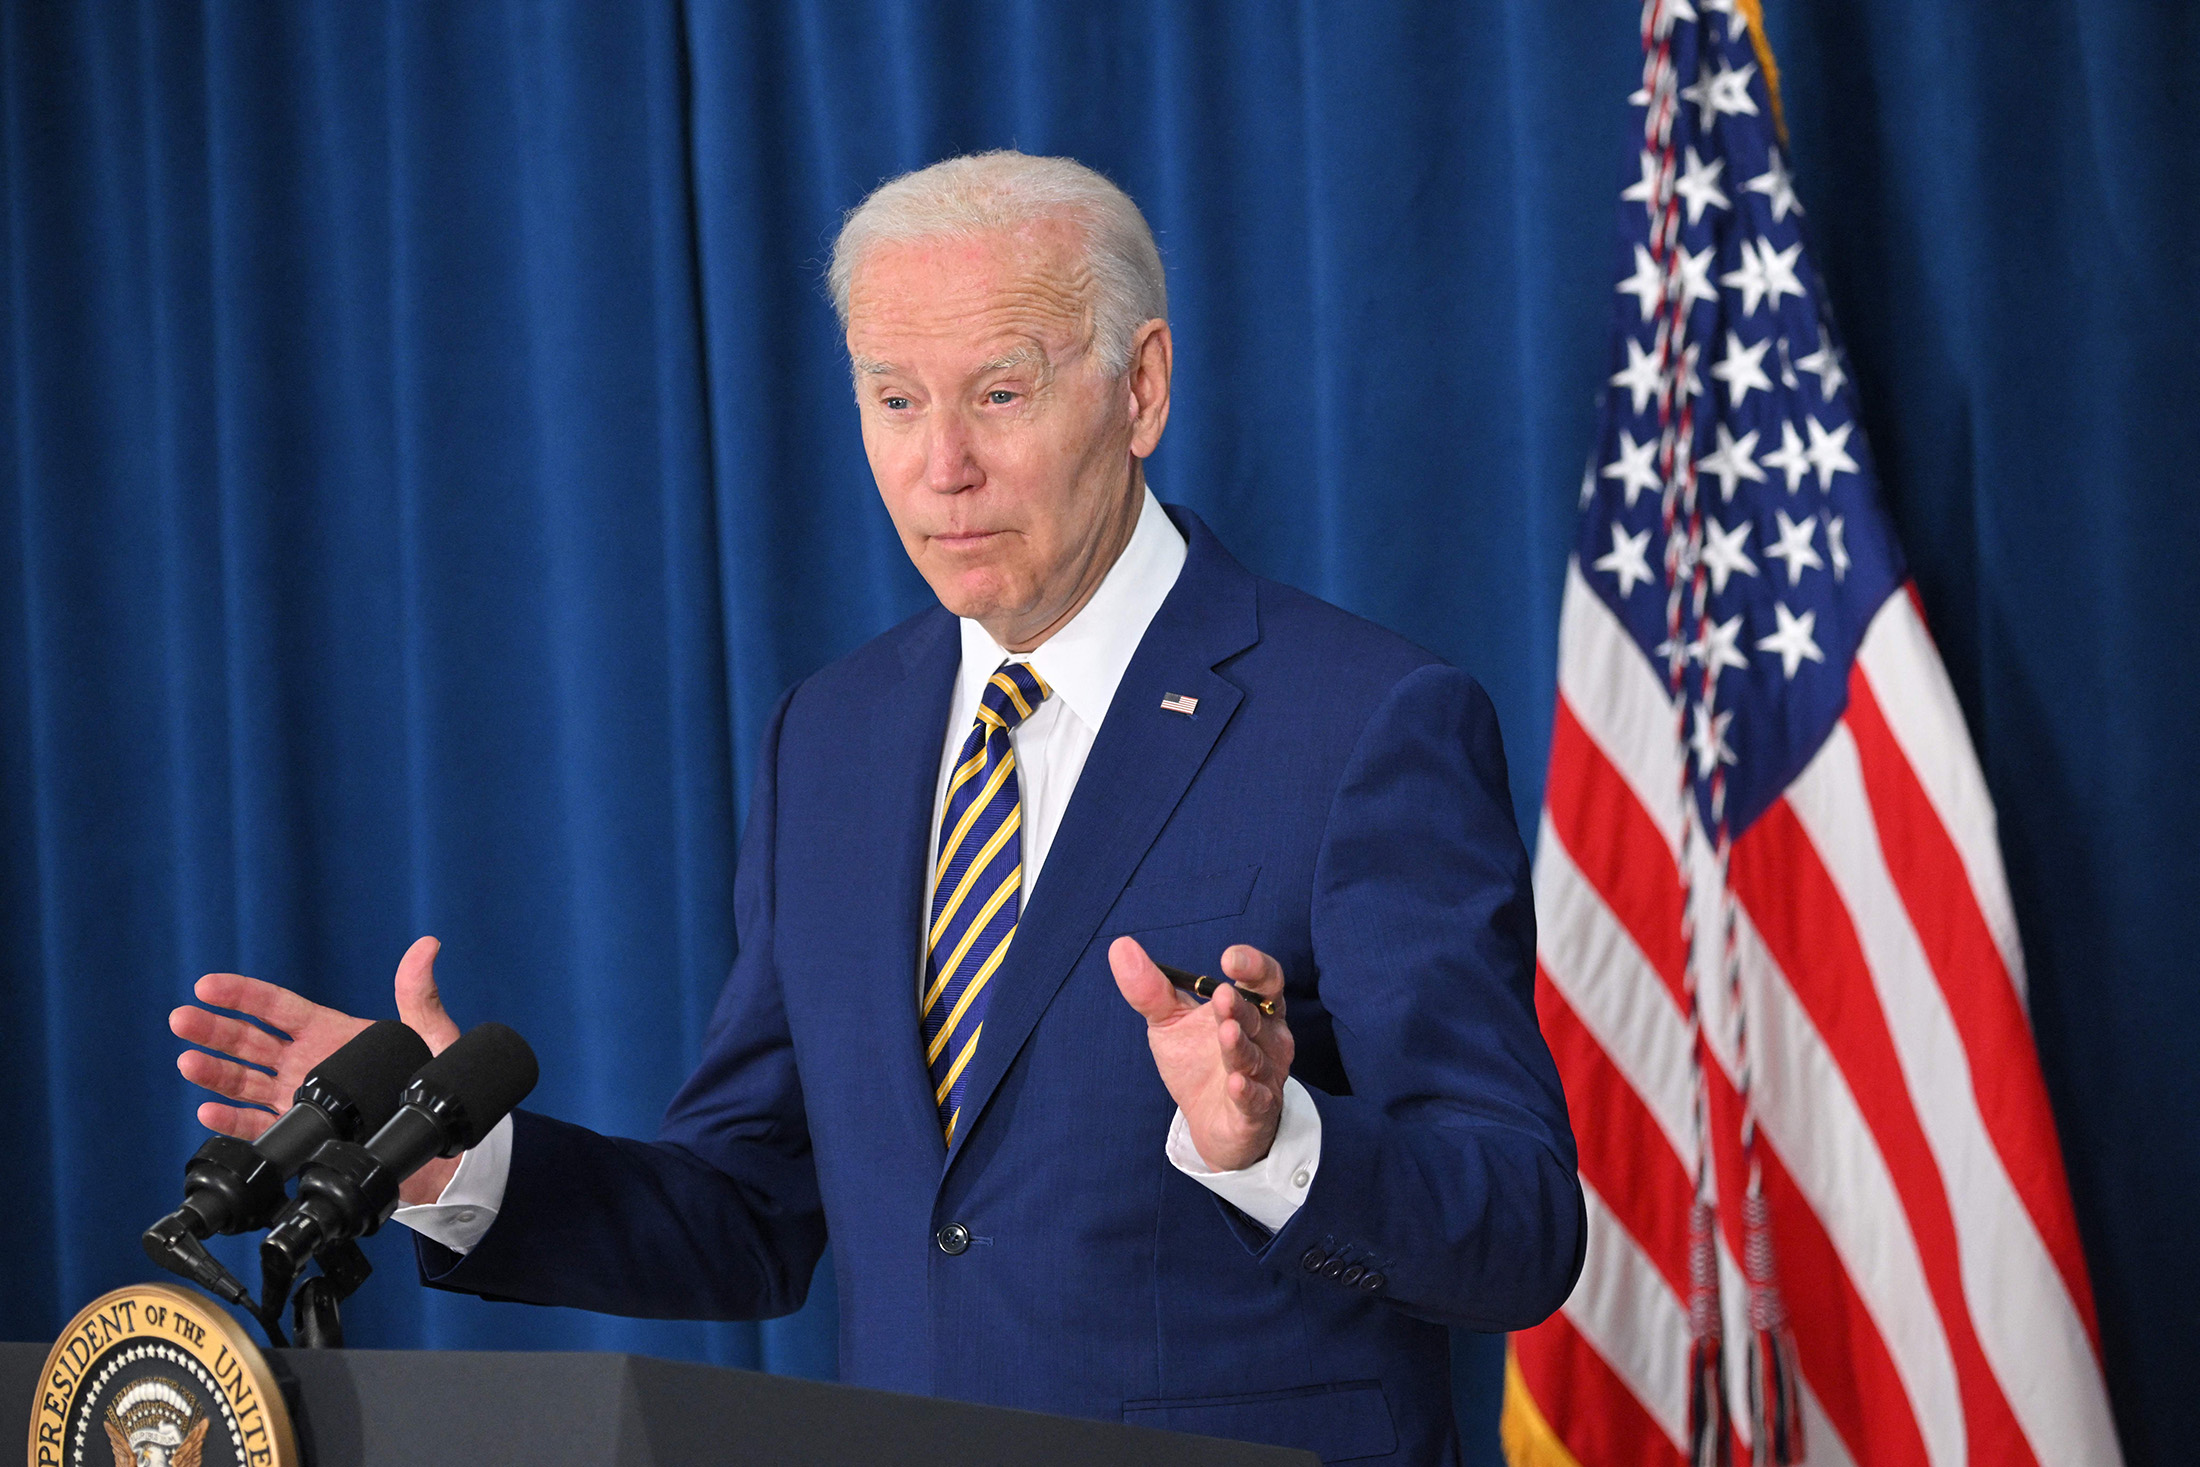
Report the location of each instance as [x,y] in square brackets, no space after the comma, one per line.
[896,404]
[999,396]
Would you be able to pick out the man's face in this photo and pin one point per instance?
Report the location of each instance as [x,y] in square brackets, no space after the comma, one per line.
[1006,456]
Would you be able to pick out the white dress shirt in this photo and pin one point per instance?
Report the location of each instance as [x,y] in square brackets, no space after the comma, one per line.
[1082,664]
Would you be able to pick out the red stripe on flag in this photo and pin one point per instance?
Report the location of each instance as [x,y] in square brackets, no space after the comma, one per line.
[1624,1155]
[2005,1073]
[1778,878]
[1843,1357]
[1616,847]
[1590,1408]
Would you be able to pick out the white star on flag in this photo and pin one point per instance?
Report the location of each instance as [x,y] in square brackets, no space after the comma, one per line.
[1793,640]
[1777,185]
[1780,271]
[1835,547]
[1628,559]
[1716,647]
[1732,460]
[1699,185]
[1789,458]
[1824,362]
[1695,276]
[1742,368]
[1795,548]
[1722,552]
[1647,284]
[1709,740]
[1828,452]
[1737,19]
[1670,13]
[1749,279]
[1721,89]
[1632,467]
[1640,376]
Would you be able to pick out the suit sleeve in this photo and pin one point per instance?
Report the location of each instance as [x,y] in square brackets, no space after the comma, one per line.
[719,1218]
[1447,1180]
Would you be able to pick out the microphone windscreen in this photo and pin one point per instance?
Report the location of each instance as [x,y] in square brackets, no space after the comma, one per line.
[372,1069]
[488,1070]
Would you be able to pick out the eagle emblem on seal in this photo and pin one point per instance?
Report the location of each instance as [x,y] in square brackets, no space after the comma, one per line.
[156,1423]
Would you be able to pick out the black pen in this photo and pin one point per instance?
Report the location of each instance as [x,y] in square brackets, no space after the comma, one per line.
[1202,986]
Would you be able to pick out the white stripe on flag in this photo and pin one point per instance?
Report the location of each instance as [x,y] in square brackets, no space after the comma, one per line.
[1919,704]
[1611,987]
[1628,1315]
[1615,694]
[1810,1118]
[2027,1325]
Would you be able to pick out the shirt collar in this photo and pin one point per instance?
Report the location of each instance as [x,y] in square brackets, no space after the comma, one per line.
[1086,659]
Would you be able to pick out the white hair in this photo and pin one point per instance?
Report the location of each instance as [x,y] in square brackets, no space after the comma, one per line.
[1003,191]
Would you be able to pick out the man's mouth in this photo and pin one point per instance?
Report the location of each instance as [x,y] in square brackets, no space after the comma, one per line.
[965,539]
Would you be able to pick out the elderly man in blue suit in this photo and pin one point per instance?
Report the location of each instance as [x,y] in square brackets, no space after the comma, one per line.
[1052,1177]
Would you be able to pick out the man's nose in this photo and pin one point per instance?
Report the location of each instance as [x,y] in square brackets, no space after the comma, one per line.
[950,463]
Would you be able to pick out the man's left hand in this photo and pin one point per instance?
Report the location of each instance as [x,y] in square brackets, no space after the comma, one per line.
[1224,1061]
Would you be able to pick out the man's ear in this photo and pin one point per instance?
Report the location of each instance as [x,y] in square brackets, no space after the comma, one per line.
[1153,357]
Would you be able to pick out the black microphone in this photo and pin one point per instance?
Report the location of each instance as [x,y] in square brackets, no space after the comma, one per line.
[348,1190]
[234,1186]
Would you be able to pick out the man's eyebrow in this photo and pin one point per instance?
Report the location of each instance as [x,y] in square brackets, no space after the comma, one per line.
[866,367]
[1022,356]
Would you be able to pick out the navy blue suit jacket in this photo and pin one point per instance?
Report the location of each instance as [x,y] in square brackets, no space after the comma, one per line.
[1339,801]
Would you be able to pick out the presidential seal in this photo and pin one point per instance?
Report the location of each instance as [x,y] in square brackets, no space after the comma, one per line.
[154,1376]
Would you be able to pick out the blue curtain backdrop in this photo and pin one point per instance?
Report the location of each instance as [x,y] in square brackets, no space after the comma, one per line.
[427,453]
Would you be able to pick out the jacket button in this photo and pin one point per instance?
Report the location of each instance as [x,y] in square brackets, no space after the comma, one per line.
[953,1239]
[1351,1275]
[1373,1282]
[1334,1268]
[1313,1259]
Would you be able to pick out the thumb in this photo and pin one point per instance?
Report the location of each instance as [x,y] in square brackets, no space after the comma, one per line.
[419,1002]
[1144,987]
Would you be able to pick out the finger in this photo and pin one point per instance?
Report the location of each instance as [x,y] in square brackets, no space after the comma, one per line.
[419,998]
[233,1037]
[1253,1099]
[1143,986]
[1239,1054]
[280,1007]
[1231,1004]
[245,1125]
[1255,971]
[419,1001]
[226,1077]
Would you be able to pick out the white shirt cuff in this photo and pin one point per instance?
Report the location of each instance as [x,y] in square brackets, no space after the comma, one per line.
[1271,1189]
[470,1200]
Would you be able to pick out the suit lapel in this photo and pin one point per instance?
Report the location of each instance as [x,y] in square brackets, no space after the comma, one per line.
[888,848]
[1141,763]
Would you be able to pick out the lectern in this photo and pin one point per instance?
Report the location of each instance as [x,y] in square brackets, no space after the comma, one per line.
[428,1408]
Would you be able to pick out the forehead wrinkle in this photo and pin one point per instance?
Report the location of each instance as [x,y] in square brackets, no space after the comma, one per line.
[1046,295]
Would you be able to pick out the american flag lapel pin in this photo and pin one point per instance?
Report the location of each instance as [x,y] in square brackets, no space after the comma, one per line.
[1183,703]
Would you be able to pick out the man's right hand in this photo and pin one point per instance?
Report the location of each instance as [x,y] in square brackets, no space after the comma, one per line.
[315,1032]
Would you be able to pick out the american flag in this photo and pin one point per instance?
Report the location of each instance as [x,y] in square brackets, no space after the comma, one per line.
[1778,966]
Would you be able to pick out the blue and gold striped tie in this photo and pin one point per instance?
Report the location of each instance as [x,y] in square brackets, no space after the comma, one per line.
[978,884]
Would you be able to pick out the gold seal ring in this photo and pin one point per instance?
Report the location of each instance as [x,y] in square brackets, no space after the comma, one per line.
[154,1373]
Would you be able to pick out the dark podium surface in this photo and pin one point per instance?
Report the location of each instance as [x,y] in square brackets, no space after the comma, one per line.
[431,1408]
